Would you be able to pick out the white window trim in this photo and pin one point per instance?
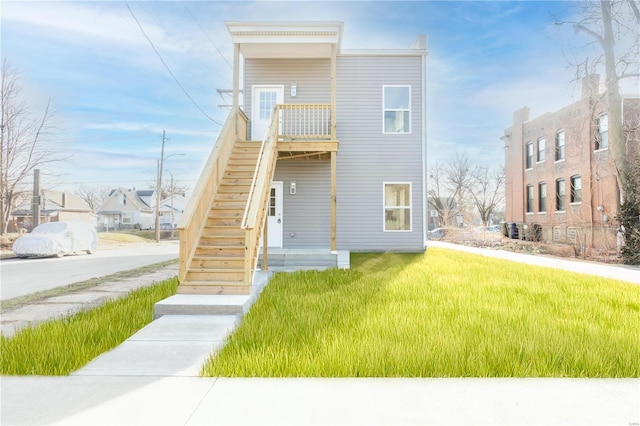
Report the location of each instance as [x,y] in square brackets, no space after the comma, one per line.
[526,154]
[384,207]
[538,150]
[385,110]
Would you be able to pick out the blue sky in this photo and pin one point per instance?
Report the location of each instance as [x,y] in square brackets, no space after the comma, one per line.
[114,96]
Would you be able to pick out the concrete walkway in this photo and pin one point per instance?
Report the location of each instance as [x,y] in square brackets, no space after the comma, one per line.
[152,378]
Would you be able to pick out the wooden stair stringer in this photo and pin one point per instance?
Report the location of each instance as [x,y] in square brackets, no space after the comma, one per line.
[216,266]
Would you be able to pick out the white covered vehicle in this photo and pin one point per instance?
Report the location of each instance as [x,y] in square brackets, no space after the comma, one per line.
[57,239]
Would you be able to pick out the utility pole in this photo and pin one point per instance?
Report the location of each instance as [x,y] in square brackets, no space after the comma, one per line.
[159,188]
[172,196]
[35,203]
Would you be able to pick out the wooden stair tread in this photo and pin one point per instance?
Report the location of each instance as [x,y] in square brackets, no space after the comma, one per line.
[219,258]
[200,269]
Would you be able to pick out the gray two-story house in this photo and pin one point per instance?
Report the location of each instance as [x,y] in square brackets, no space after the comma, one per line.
[324,148]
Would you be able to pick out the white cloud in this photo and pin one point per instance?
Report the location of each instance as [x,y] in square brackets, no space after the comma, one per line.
[80,24]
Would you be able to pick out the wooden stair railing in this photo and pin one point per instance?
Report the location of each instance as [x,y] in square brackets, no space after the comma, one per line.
[221,228]
[255,213]
[211,241]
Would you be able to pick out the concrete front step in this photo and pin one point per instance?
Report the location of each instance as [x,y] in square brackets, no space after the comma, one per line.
[203,304]
[309,259]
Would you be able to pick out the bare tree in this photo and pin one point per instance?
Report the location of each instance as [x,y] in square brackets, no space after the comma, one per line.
[609,22]
[173,187]
[458,180]
[443,204]
[448,185]
[94,196]
[487,191]
[24,141]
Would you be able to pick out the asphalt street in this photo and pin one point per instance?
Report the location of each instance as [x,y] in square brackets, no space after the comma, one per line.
[20,277]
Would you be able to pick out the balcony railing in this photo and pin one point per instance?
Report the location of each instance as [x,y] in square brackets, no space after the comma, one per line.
[304,121]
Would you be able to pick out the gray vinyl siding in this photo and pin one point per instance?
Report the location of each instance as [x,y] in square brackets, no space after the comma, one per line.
[312,77]
[368,158]
[307,213]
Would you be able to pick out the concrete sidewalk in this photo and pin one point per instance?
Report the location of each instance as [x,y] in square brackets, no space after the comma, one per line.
[134,400]
[152,378]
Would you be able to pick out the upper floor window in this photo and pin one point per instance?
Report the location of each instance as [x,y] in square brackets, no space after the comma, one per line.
[560,195]
[529,198]
[602,138]
[528,161]
[542,197]
[396,104]
[576,189]
[541,148]
[560,145]
[397,206]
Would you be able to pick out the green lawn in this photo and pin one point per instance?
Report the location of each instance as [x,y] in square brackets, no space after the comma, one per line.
[441,314]
[61,346]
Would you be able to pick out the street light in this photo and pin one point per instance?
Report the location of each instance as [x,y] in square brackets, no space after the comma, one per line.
[159,189]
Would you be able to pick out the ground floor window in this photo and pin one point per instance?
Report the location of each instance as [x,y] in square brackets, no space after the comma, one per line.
[529,198]
[397,206]
[576,189]
[560,195]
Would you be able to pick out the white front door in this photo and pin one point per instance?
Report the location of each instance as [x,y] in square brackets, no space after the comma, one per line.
[275,215]
[264,98]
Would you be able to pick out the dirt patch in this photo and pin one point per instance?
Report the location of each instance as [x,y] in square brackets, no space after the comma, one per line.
[499,242]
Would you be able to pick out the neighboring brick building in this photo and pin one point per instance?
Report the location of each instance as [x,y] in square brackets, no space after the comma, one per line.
[560,180]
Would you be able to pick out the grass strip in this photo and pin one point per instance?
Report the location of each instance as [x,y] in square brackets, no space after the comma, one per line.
[58,347]
[16,302]
[439,314]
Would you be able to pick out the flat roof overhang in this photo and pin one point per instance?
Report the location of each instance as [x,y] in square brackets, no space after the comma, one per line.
[286,39]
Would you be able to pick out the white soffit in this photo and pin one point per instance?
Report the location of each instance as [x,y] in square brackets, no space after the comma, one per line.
[286,39]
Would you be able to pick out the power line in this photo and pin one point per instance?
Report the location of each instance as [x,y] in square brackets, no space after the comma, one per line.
[168,69]
[205,33]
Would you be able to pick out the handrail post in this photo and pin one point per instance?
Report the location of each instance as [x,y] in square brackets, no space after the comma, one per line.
[265,243]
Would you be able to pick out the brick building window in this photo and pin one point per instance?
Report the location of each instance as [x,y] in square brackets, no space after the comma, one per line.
[542,197]
[576,189]
[602,137]
[528,162]
[560,195]
[560,145]
[541,148]
[529,198]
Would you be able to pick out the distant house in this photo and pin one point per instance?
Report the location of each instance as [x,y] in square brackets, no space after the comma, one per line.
[55,206]
[560,178]
[128,209]
[171,209]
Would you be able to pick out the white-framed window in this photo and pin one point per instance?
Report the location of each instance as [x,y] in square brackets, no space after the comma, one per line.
[560,145]
[576,189]
[528,159]
[560,195]
[542,197]
[529,198]
[396,109]
[602,137]
[267,101]
[397,206]
[541,150]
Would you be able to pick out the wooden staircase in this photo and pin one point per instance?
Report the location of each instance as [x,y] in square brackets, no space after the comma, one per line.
[218,264]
